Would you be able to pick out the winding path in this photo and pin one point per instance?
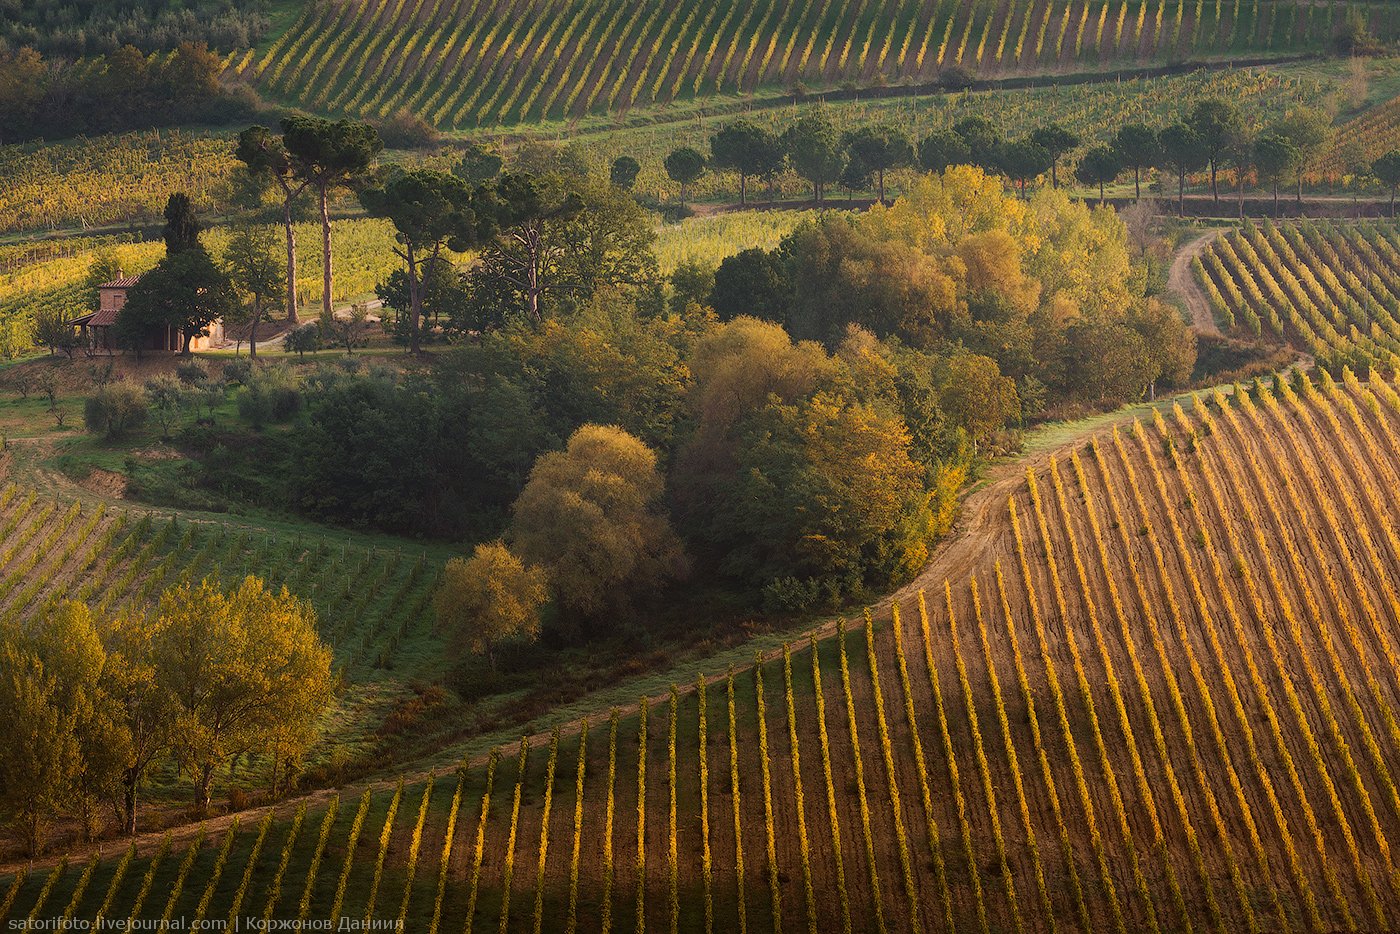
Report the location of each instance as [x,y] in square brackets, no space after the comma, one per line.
[1182,283]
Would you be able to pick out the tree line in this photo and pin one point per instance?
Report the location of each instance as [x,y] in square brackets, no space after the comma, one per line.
[44,97]
[1212,137]
[91,701]
[73,29]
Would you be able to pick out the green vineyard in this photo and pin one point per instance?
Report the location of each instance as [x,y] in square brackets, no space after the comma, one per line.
[461,64]
[1133,716]
[1332,289]
[373,603]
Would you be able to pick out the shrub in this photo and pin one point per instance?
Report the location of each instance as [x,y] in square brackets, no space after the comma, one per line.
[238,371]
[271,396]
[303,340]
[192,373]
[956,78]
[115,409]
[407,130]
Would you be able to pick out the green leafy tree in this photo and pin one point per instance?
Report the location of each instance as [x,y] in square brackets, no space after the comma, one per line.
[52,330]
[185,292]
[303,340]
[559,241]
[1100,166]
[943,148]
[752,282]
[328,156]
[1310,131]
[1239,155]
[978,397]
[814,150]
[490,598]
[592,517]
[1023,160]
[684,166]
[983,139]
[1216,122]
[40,757]
[1057,141]
[446,301]
[240,667]
[267,159]
[880,148]
[477,165]
[1386,169]
[430,211]
[623,172]
[857,176]
[747,149]
[1106,362]
[258,278]
[1138,148]
[115,409]
[1183,152]
[181,225]
[167,398]
[1169,342]
[1276,158]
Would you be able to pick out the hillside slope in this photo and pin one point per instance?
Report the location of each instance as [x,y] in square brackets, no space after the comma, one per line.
[1160,697]
[462,64]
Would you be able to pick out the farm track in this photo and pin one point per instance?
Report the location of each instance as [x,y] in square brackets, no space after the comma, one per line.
[1243,603]
[1182,283]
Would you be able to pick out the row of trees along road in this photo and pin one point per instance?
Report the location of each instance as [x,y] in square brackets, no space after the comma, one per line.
[1212,136]
[89,703]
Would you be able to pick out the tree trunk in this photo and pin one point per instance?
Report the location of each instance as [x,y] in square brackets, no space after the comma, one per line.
[253,330]
[1055,173]
[1137,183]
[415,301]
[532,272]
[1392,202]
[291,259]
[202,795]
[129,782]
[881,174]
[1214,191]
[325,253]
[1181,194]
[1275,199]
[1300,192]
[1100,192]
[1241,189]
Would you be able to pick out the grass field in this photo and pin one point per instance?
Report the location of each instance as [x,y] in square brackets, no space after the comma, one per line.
[1157,697]
[461,64]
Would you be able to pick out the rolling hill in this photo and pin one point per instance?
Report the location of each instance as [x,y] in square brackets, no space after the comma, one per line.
[1148,688]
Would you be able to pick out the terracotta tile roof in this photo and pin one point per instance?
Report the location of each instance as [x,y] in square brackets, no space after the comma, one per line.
[121,282]
[103,318]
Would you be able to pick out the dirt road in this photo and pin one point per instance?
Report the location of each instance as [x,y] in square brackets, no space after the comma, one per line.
[1181,282]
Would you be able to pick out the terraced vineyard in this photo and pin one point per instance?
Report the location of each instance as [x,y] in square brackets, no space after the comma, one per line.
[1332,289]
[373,605]
[1162,699]
[477,63]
